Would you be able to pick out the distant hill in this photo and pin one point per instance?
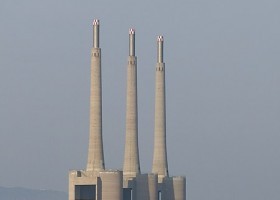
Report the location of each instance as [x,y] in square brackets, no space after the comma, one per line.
[30,194]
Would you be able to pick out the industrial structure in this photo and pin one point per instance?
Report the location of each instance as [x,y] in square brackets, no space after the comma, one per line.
[98,183]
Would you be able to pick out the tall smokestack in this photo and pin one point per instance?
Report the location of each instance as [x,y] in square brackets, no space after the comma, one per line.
[131,165]
[95,150]
[160,165]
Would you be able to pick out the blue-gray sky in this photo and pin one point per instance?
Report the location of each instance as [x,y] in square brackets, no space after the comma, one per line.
[222,72]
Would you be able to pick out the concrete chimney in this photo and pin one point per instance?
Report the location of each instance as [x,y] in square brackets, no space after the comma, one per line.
[160,165]
[131,165]
[95,150]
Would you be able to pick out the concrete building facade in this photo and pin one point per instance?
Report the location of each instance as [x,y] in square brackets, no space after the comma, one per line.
[98,183]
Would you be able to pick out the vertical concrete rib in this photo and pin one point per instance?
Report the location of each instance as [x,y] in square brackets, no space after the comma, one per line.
[95,150]
[131,165]
[160,165]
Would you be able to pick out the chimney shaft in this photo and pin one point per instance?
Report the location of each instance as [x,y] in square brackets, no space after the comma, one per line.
[131,158]
[160,165]
[95,150]
[160,49]
[131,42]
[96,33]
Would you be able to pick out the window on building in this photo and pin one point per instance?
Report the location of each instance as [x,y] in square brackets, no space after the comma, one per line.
[127,193]
[85,192]
[159,195]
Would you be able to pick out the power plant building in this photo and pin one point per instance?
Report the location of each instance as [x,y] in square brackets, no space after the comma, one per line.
[98,183]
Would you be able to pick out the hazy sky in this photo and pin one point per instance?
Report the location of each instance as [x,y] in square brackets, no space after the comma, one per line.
[222,71]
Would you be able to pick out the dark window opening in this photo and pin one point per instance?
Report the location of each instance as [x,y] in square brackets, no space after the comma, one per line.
[85,192]
[159,195]
[127,194]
